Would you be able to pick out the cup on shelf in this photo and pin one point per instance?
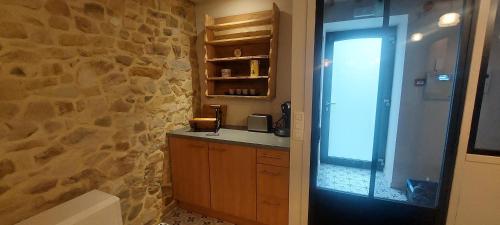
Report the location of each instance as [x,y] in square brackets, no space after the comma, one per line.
[252,92]
[231,91]
[244,91]
[238,91]
[225,72]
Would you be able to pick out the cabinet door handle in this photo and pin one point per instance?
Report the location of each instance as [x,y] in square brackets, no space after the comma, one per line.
[265,202]
[218,149]
[196,146]
[270,157]
[265,172]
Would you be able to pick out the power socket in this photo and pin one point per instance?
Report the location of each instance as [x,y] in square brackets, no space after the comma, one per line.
[298,126]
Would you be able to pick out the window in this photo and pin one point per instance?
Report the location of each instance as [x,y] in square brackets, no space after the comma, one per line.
[485,132]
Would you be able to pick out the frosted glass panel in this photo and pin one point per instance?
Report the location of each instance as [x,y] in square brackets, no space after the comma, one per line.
[355,78]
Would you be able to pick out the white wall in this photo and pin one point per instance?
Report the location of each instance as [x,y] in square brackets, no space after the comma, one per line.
[475,197]
[239,109]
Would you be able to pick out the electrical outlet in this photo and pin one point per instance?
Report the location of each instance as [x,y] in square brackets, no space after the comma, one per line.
[298,126]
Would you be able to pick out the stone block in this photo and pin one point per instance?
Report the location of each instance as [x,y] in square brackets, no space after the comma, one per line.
[26,145]
[41,36]
[103,122]
[49,154]
[41,83]
[42,186]
[120,106]
[8,110]
[20,56]
[32,4]
[39,111]
[113,79]
[145,29]
[93,178]
[58,22]
[107,28]
[6,167]
[64,107]
[12,90]
[81,136]
[139,38]
[124,60]
[59,53]
[73,40]
[12,30]
[85,25]
[131,47]
[57,7]
[152,73]
[94,10]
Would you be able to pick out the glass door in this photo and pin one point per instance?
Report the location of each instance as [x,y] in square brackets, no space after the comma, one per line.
[356,100]
[388,87]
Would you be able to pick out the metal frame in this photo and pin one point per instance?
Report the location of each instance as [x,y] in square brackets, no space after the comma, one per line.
[439,215]
[388,35]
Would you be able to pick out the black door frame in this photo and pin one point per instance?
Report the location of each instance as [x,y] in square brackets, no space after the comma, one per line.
[388,36]
[381,211]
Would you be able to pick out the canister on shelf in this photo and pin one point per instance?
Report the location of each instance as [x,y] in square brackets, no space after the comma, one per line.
[254,68]
[225,72]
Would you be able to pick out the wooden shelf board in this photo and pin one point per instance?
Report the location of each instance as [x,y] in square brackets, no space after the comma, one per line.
[243,40]
[239,24]
[238,78]
[242,58]
[238,96]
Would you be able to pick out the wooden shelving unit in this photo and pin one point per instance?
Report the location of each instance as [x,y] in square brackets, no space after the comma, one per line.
[238,78]
[261,39]
[238,24]
[241,58]
[256,35]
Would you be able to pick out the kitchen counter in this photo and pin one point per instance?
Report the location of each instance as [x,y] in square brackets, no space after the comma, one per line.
[237,137]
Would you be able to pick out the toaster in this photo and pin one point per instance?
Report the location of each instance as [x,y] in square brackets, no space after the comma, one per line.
[260,123]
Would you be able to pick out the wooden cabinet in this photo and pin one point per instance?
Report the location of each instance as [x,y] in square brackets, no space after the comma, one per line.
[273,157]
[190,171]
[272,187]
[240,184]
[233,180]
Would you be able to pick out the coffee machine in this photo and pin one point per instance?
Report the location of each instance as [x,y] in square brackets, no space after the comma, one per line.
[282,126]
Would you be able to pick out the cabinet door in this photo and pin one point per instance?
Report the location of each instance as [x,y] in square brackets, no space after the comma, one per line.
[272,194]
[233,180]
[190,171]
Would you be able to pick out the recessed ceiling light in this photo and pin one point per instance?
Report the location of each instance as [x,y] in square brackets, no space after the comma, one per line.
[416,37]
[449,20]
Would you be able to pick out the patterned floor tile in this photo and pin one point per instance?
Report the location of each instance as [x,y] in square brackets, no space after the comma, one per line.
[356,181]
[180,216]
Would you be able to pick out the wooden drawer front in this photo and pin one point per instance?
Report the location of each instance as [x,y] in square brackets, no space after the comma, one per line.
[273,157]
[233,180]
[272,181]
[190,171]
[272,211]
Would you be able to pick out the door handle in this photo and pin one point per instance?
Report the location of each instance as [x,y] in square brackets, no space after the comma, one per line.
[328,104]
[387,102]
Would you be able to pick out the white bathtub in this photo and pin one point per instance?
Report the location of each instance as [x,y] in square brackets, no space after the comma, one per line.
[92,208]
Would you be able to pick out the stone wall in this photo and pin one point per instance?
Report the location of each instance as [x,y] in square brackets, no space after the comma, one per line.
[88,89]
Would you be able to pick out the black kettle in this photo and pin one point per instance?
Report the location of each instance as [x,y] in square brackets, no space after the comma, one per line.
[282,126]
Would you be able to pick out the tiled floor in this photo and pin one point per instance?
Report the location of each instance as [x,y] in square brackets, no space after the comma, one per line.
[357,181]
[180,216]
